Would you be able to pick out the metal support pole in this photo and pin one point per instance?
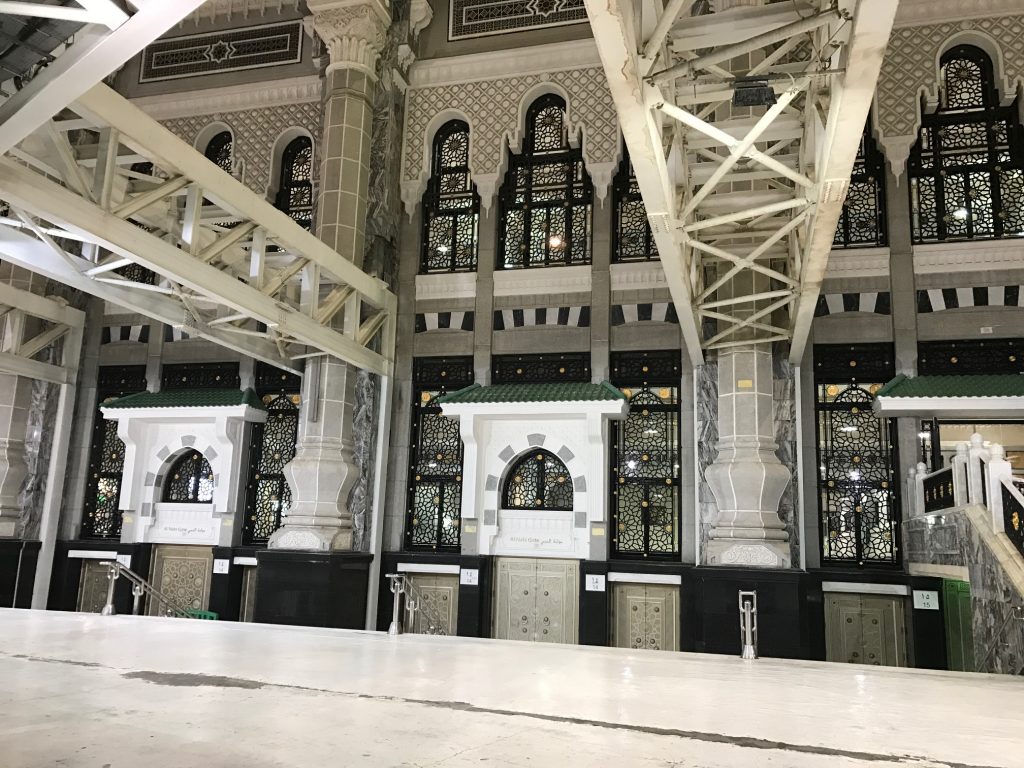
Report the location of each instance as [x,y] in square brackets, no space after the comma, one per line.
[397,588]
[137,591]
[748,624]
[112,576]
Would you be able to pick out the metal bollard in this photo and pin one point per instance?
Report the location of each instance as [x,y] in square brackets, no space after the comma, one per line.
[112,576]
[748,624]
[397,588]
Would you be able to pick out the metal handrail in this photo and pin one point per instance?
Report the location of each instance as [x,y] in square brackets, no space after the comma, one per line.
[1015,612]
[401,585]
[139,587]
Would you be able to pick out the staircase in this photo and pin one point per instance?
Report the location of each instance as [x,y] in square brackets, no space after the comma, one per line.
[971,515]
[142,588]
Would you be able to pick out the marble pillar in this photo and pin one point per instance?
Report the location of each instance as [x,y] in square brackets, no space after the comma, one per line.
[747,478]
[323,472]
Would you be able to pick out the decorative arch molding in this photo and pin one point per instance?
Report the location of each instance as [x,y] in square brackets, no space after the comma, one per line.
[495,109]
[909,78]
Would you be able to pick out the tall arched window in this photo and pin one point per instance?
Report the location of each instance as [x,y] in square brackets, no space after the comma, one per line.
[538,480]
[451,206]
[547,196]
[632,239]
[218,150]
[295,188]
[967,168]
[190,480]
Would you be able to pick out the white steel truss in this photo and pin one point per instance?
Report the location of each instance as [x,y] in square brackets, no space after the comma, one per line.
[743,201]
[110,37]
[229,266]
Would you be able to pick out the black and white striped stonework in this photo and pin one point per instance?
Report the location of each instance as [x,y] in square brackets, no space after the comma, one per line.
[877,303]
[174,334]
[655,312]
[571,317]
[941,299]
[138,333]
[434,321]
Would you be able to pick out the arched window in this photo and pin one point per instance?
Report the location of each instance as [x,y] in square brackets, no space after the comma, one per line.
[190,480]
[218,150]
[546,200]
[451,206]
[632,239]
[967,168]
[862,222]
[538,480]
[272,447]
[295,189]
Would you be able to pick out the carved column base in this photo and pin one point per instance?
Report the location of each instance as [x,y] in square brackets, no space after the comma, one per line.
[320,476]
[12,475]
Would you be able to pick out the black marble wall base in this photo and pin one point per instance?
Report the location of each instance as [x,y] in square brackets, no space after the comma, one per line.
[710,611]
[17,572]
[595,605]
[66,576]
[312,589]
[226,588]
[927,643]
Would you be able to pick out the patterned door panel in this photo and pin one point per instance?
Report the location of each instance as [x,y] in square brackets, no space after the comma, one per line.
[536,600]
[92,587]
[646,616]
[438,597]
[183,575]
[865,629]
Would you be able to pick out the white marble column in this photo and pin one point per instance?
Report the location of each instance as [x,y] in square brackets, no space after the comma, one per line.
[323,471]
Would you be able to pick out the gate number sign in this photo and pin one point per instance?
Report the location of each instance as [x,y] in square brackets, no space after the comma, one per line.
[926,600]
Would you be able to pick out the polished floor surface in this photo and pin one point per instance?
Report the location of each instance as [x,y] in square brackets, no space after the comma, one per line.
[81,690]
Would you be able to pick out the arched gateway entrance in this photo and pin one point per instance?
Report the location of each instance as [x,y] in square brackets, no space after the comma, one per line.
[534,493]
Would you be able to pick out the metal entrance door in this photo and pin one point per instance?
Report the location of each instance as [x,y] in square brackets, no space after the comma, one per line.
[645,616]
[536,600]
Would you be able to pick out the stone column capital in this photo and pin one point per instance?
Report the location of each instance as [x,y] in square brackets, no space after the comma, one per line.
[353,31]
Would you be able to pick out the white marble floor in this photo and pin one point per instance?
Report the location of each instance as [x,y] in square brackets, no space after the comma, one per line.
[84,691]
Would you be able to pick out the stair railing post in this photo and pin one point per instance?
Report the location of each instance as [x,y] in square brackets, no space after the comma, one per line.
[397,584]
[112,576]
[748,624]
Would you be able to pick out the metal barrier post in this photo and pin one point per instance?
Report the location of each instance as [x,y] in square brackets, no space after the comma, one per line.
[397,588]
[112,575]
[748,624]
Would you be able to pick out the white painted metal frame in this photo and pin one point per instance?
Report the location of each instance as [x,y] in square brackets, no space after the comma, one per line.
[758,193]
[233,268]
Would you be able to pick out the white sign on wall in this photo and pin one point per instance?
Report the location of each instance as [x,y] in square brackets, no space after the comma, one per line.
[470,576]
[221,566]
[926,600]
[595,582]
[125,560]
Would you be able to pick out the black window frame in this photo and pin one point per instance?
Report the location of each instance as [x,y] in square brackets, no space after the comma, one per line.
[433,376]
[630,220]
[450,195]
[220,150]
[196,464]
[524,194]
[539,458]
[288,185]
[865,198]
[937,163]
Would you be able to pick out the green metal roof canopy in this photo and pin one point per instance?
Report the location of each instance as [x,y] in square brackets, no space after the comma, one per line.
[985,396]
[560,392]
[189,398]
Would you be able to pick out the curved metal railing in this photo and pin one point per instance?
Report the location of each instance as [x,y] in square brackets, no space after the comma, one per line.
[140,587]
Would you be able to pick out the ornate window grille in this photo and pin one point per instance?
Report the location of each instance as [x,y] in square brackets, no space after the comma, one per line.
[547,197]
[540,369]
[451,205]
[219,149]
[538,480]
[862,223]
[434,507]
[295,189]
[101,518]
[632,239]
[190,480]
[967,168]
[645,456]
[271,447]
[200,376]
[859,519]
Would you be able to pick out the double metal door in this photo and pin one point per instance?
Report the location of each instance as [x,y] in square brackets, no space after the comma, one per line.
[645,616]
[536,600]
[865,629]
